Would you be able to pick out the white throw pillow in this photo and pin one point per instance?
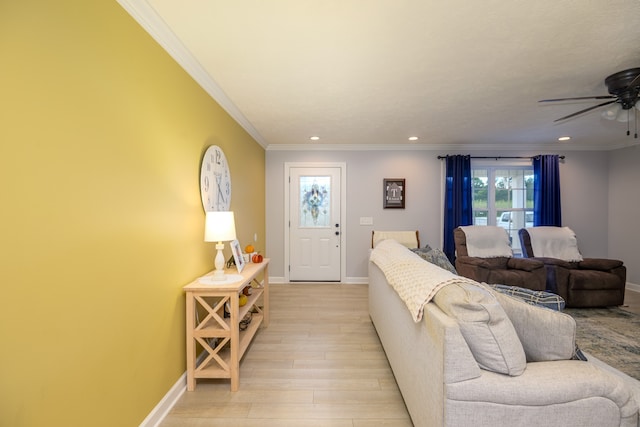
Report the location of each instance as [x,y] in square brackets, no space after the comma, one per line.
[485,327]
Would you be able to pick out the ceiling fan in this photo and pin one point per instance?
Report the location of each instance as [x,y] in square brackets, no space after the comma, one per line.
[624,87]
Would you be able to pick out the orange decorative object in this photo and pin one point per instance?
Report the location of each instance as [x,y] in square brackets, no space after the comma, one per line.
[257,258]
[249,249]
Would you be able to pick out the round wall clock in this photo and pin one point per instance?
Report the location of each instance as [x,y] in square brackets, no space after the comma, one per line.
[215,180]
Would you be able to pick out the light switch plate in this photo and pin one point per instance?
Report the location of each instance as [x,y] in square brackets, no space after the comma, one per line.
[366,220]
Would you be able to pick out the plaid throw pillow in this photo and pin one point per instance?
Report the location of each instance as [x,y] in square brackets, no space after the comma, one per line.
[539,298]
[436,257]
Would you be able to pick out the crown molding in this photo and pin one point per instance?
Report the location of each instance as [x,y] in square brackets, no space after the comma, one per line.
[148,18]
[443,147]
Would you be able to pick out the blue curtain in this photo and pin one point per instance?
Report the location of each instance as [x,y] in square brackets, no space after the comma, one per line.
[546,190]
[457,200]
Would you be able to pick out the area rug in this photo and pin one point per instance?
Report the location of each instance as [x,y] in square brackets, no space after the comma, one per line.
[611,335]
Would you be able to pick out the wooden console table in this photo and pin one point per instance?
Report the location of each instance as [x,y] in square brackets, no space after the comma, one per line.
[221,338]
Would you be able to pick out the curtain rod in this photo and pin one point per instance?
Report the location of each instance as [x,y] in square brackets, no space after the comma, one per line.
[499,157]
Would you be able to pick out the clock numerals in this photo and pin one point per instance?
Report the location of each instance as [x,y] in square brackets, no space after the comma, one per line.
[216,196]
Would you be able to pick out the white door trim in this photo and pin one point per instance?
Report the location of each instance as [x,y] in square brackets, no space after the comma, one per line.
[343,211]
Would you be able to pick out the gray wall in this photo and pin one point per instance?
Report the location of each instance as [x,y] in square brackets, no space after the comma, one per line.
[586,192]
[624,209]
[585,207]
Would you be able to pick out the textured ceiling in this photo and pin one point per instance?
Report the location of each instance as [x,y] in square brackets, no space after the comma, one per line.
[455,73]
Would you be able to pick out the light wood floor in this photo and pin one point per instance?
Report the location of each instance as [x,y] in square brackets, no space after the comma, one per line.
[632,301]
[319,363]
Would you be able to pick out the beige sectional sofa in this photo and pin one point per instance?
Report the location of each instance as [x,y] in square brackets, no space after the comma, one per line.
[442,381]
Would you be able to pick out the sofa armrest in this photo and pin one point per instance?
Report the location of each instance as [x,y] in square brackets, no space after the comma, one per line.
[547,384]
[601,264]
[525,264]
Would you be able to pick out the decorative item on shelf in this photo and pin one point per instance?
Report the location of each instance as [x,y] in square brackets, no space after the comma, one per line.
[242,300]
[244,323]
[231,262]
[237,255]
[257,258]
[219,227]
[394,193]
[249,252]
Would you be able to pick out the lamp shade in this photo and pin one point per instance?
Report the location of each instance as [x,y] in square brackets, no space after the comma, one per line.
[219,226]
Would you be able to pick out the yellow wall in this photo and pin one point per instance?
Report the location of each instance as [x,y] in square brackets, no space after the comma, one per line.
[101,138]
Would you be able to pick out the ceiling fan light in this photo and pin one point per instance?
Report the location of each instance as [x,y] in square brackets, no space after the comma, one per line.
[611,113]
[623,116]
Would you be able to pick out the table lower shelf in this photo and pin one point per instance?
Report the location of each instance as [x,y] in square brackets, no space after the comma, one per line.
[212,368]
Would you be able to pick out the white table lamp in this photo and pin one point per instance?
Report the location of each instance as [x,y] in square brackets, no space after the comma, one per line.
[219,227]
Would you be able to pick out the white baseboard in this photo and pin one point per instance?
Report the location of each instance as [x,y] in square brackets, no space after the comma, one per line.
[161,410]
[347,280]
[169,400]
[633,287]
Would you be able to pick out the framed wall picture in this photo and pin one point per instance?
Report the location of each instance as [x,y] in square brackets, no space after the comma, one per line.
[237,255]
[394,193]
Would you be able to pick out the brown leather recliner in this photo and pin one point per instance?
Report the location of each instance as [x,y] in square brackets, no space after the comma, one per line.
[525,273]
[592,282]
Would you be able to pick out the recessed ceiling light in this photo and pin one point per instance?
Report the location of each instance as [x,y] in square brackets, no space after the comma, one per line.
[314,138]
[564,138]
[413,138]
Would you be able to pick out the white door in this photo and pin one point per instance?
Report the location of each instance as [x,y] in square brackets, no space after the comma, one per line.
[314,224]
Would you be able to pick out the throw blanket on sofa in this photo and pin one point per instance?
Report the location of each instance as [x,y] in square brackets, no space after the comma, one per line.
[554,242]
[415,280]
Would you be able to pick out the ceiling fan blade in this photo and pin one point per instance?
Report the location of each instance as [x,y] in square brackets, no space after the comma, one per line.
[635,79]
[579,98]
[584,111]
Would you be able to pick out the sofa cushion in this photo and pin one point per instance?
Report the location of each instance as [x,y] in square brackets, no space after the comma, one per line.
[544,334]
[484,326]
[601,264]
